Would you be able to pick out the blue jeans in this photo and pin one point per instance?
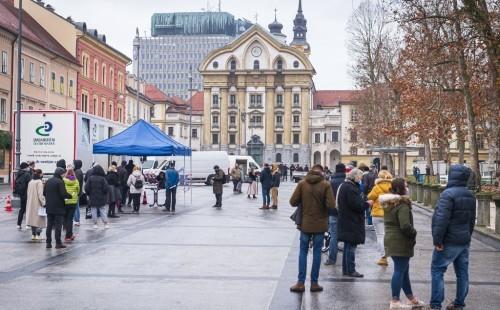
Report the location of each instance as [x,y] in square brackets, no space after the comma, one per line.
[76,217]
[368,214]
[266,197]
[334,249]
[401,277]
[459,256]
[349,258]
[304,248]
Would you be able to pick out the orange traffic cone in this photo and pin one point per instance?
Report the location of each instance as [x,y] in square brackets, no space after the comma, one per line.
[8,205]
[144,199]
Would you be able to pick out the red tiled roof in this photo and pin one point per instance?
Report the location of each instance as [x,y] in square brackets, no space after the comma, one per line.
[32,30]
[155,94]
[331,98]
[197,101]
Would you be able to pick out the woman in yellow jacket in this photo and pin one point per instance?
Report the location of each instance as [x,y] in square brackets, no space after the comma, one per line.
[382,186]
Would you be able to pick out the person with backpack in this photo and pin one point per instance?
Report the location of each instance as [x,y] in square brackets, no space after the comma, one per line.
[23,177]
[73,188]
[171,183]
[136,187]
[97,189]
[219,179]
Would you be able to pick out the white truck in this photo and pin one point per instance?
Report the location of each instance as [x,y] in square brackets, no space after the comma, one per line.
[47,136]
[246,161]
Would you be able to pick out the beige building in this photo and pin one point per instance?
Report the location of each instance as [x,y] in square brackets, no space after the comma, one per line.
[258,96]
[146,105]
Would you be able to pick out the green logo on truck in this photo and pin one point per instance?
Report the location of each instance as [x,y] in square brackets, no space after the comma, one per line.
[44,130]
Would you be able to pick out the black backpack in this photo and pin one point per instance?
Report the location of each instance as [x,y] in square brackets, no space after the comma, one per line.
[224,179]
[138,184]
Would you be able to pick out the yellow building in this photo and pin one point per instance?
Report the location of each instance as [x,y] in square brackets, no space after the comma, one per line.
[258,95]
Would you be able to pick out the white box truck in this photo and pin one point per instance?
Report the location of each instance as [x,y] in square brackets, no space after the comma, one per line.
[47,136]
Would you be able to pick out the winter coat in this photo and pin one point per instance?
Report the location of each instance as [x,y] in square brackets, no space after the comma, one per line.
[315,197]
[455,215]
[382,186]
[79,173]
[131,181]
[218,182]
[73,188]
[55,193]
[112,178]
[351,207]
[400,234]
[335,181]
[23,177]
[36,199]
[236,174]
[266,179]
[114,192]
[171,178]
[369,181]
[97,188]
[122,175]
[276,179]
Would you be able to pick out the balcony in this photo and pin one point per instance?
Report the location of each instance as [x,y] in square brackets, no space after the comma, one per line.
[296,125]
[279,125]
[215,126]
[215,106]
[279,105]
[256,106]
[232,125]
[233,106]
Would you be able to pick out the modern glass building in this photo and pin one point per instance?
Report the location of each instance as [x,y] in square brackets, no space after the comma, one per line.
[179,42]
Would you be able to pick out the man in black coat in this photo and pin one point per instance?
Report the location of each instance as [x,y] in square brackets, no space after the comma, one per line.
[55,193]
[266,180]
[129,168]
[351,220]
[97,188]
[123,177]
[452,226]
[337,179]
[23,177]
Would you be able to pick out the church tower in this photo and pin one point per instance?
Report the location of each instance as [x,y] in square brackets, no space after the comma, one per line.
[300,31]
[275,29]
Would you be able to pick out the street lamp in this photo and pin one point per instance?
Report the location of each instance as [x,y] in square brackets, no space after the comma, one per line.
[137,45]
[18,101]
[244,119]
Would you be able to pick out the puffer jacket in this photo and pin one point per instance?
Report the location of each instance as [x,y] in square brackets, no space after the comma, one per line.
[266,178]
[351,206]
[314,195]
[97,187]
[455,215]
[400,234]
[73,188]
[382,186]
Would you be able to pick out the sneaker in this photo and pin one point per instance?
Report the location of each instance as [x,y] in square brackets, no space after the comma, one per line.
[298,288]
[19,227]
[416,303]
[274,207]
[95,226]
[60,246]
[264,207]
[315,287]
[48,246]
[398,305]
[37,237]
[106,226]
[77,223]
[452,306]
[383,262]
[354,274]
[33,237]
[329,263]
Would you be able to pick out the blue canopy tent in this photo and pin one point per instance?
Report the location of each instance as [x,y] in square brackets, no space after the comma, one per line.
[141,139]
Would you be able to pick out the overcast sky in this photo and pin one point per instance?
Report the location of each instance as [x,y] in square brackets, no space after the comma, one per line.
[326,22]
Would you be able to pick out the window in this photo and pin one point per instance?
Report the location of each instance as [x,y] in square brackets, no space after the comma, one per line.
[94,106]
[5,62]
[279,120]
[335,136]
[256,65]
[2,159]
[120,115]
[279,65]
[232,100]
[3,110]
[296,120]
[232,120]
[103,78]
[215,138]
[354,115]
[295,157]
[233,65]
[279,100]
[96,71]
[61,85]
[296,138]
[232,139]
[296,99]
[215,121]
[85,66]
[317,138]
[295,64]
[480,141]
[279,138]
[32,72]
[215,100]
[52,81]
[256,120]
[354,150]
[85,103]
[256,100]
[22,68]
[354,136]
[215,65]
[103,108]
[278,157]
[110,111]
[194,133]
[42,76]
[112,79]
[171,131]
[120,82]
[70,88]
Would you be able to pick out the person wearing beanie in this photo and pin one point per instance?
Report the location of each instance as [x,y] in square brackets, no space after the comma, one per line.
[73,188]
[23,177]
[55,193]
[337,178]
[61,163]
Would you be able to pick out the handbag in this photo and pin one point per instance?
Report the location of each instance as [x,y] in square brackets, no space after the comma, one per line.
[42,211]
[297,215]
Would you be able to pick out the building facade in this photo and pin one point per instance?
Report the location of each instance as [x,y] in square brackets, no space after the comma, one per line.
[146,105]
[258,97]
[177,46]
[102,77]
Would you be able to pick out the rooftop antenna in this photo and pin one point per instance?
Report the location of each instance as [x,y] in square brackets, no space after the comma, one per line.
[219,6]
[275,17]
[256,18]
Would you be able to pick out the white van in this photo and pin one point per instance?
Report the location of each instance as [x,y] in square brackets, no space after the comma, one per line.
[246,161]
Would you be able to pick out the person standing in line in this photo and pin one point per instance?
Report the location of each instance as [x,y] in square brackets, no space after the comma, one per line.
[292,169]
[235,177]
[266,180]
[399,240]
[79,176]
[123,177]
[306,168]
[351,220]
[73,188]
[130,169]
[285,172]
[275,184]
[314,195]
[333,214]
[382,186]
[97,188]
[23,177]
[136,187]
[252,187]
[366,185]
[452,227]
[55,193]
[114,191]
[171,183]
[218,185]
[32,168]
[35,201]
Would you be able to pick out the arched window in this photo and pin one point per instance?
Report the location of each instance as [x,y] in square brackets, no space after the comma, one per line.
[279,64]
[278,157]
[215,65]
[295,64]
[295,157]
[256,65]
[232,65]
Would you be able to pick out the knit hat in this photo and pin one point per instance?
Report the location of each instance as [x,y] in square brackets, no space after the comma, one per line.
[340,167]
[24,165]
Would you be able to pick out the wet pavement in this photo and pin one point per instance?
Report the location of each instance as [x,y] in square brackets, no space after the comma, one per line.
[238,257]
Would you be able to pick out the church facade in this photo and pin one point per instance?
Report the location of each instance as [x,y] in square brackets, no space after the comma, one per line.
[258,95]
